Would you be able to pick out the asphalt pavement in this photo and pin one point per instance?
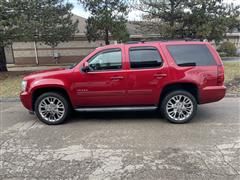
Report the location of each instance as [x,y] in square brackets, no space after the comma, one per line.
[122,145]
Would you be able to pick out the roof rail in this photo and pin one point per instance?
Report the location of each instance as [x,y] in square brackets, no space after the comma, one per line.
[161,40]
[135,42]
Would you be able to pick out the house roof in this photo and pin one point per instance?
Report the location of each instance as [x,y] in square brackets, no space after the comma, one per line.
[234,34]
[81,24]
[133,28]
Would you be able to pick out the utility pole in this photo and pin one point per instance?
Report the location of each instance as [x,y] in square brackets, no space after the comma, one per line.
[36,52]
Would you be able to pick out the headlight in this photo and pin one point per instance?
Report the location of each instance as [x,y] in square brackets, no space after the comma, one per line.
[24,85]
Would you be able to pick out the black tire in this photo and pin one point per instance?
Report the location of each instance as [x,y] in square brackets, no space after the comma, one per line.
[58,96]
[189,117]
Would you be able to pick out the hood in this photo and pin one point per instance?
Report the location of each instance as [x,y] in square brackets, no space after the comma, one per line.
[45,73]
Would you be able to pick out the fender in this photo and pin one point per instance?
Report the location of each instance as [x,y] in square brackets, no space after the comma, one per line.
[46,83]
[50,83]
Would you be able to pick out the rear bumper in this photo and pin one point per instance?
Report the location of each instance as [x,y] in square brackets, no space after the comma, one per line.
[212,94]
[26,100]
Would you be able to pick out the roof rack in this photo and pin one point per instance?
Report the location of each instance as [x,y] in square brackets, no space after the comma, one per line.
[161,40]
[135,42]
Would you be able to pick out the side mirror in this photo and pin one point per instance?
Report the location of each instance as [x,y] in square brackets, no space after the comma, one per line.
[85,67]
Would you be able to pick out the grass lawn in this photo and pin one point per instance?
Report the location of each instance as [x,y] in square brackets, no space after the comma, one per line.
[232,76]
[232,70]
[10,82]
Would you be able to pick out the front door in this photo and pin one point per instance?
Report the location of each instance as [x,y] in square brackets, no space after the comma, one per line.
[105,83]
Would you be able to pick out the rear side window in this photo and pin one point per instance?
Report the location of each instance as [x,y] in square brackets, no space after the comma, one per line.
[145,57]
[191,55]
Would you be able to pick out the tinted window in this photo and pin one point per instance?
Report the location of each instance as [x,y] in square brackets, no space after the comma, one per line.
[145,57]
[190,55]
[107,60]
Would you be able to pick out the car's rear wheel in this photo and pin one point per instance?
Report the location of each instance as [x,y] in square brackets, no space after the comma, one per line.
[179,106]
[52,108]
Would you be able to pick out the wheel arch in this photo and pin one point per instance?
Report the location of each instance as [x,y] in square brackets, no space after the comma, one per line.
[189,87]
[60,90]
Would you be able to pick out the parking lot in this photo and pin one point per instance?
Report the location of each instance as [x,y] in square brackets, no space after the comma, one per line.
[122,145]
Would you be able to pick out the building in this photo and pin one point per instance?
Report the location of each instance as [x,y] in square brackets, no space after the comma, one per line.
[234,37]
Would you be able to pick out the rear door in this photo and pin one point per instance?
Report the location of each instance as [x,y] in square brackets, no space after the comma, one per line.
[147,72]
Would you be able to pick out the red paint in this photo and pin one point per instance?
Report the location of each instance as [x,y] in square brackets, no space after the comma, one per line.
[129,86]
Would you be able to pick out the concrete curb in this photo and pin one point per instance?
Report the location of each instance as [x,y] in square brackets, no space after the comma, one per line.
[15,99]
[10,99]
[232,95]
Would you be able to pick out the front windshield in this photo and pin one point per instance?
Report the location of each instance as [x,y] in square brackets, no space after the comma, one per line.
[76,63]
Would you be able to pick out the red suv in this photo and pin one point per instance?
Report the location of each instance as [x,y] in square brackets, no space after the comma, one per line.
[173,77]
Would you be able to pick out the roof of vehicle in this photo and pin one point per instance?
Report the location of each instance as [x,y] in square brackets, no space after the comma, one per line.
[151,43]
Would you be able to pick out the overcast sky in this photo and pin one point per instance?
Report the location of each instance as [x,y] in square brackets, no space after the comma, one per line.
[134,15]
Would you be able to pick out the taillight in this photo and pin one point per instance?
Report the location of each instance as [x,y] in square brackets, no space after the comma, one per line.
[220,74]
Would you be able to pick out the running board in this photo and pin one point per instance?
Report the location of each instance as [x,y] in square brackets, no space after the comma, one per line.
[131,108]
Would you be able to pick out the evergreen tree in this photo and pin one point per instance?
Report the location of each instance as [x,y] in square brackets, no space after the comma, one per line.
[108,17]
[210,19]
[165,15]
[7,30]
[199,19]
[35,20]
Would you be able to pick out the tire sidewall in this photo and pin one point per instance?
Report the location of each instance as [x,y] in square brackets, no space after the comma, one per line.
[169,96]
[58,96]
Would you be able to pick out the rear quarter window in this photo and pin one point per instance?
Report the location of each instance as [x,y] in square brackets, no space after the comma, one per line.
[191,55]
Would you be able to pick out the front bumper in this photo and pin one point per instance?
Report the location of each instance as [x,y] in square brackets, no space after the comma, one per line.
[26,100]
[212,94]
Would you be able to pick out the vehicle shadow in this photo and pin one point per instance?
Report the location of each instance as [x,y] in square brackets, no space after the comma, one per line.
[116,116]
[204,115]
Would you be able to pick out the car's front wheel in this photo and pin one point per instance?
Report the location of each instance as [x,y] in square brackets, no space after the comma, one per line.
[52,108]
[179,106]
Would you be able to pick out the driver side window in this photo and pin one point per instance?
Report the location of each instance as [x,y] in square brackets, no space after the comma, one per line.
[106,60]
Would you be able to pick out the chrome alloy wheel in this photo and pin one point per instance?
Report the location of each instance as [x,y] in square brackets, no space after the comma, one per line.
[51,109]
[179,107]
